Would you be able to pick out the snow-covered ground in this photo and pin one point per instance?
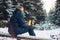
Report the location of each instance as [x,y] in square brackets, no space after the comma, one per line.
[44,34]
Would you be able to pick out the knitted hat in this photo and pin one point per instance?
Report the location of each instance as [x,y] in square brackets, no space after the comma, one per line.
[19,5]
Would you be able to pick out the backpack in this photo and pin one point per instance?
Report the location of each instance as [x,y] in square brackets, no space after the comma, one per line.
[11,29]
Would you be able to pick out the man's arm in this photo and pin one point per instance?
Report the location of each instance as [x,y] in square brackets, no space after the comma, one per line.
[20,18]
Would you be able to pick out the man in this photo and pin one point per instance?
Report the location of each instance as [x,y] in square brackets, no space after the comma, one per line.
[19,24]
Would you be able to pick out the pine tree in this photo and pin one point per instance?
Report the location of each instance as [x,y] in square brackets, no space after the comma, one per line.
[57,14]
[34,7]
[3,12]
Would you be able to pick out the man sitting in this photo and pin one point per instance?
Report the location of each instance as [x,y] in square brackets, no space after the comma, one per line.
[18,22]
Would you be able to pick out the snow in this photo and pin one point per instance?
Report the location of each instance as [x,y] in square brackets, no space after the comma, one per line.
[45,34]
[5,38]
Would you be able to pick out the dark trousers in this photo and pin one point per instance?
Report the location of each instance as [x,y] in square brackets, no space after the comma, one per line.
[24,30]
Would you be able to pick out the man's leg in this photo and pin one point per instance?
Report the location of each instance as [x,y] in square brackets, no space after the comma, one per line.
[24,30]
[31,32]
[20,31]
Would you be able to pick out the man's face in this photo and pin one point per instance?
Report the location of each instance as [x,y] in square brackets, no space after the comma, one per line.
[21,9]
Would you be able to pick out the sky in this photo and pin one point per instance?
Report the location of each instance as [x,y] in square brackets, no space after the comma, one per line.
[48,5]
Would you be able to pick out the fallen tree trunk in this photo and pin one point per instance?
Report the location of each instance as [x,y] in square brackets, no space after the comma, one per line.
[19,37]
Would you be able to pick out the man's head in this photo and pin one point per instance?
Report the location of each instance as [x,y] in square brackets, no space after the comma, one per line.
[21,8]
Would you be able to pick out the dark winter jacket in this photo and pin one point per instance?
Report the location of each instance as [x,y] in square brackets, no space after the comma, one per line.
[19,25]
[18,20]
